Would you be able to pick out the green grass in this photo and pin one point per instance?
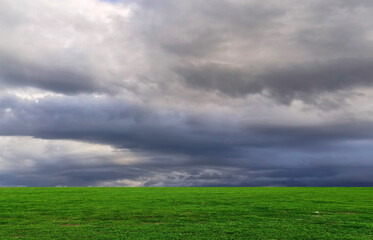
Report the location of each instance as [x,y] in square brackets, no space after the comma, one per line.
[186,213]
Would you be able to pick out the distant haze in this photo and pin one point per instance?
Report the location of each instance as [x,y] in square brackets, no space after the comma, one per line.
[186,93]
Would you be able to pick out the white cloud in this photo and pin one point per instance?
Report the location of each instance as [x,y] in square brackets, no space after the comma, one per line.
[25,154]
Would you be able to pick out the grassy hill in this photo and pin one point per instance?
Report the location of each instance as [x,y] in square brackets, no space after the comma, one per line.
[186,213]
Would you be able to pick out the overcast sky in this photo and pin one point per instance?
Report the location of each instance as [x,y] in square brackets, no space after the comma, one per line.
[186,93]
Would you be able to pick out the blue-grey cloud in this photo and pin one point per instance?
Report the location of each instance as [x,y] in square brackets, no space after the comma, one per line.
[302,155]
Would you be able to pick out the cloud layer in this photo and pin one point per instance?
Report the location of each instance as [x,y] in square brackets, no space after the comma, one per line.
[186,93]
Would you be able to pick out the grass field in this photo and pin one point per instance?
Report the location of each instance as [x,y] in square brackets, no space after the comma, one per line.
[186,213]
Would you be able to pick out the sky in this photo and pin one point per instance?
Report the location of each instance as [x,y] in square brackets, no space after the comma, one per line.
[186,93]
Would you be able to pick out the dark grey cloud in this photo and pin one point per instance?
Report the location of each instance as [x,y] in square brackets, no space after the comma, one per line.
[316,78]
[18,73]
[115,175]
[302,81]
[115,122]
[128,125]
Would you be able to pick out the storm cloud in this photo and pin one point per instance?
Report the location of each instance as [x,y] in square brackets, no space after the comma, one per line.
[294,82]
[186,93]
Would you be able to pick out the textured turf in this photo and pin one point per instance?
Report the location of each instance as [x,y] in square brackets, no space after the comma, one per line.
[186,213]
